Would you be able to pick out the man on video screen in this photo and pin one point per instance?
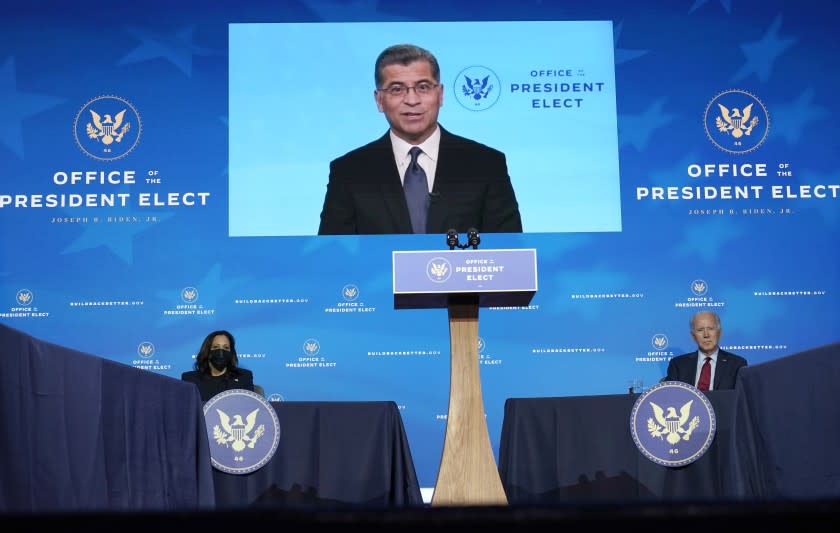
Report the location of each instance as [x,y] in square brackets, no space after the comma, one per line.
[418,177]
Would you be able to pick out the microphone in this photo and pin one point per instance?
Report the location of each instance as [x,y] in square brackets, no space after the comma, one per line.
[473,238]
[452,239]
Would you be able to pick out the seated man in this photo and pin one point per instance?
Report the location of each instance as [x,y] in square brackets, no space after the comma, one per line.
[716,369]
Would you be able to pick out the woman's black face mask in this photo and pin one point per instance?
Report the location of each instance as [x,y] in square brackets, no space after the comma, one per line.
[220,358]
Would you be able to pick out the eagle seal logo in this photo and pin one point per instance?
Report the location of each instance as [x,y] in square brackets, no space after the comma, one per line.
[107,128]
[24,297]
[673,423]
[350,292]
[189,295]
[238,434]
[659,341]
[145,349]
[438,269]
[311,347]
[736,121]
[699,287]
[243,430]
[670,424]
[477,88]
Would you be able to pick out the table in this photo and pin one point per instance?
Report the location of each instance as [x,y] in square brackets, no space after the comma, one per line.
[330,454]
[82,433]
[575,449]
[787,426]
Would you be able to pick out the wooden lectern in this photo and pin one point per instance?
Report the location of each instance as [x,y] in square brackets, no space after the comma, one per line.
[464,281]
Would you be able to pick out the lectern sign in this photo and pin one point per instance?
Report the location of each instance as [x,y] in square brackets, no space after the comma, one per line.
[486,272]
[243,430]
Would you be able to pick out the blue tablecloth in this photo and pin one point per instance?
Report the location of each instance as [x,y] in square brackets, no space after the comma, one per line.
[580,449]
[787,428]
[330,454]
[78,432]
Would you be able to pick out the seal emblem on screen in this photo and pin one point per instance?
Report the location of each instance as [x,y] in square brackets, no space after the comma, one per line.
[736,121]
[699,287]
[24,298]
[350,292]
[659,341]
[438,269]
[477,88]
[673,423]
[189,295]
[311,347]
[243,430]
[145,349]
[107,128]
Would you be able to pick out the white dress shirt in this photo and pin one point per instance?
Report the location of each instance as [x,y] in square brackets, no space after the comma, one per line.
[427,160]
[701,358]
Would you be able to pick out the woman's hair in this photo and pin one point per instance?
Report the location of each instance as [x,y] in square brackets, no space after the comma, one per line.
[202,360]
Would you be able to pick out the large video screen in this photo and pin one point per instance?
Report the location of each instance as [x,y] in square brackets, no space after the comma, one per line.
[543,93]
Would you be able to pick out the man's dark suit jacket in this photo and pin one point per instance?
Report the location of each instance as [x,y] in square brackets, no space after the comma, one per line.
[684,368]
[472,189]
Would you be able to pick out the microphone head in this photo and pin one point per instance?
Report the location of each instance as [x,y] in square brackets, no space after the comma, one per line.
[472,237]
[451,238]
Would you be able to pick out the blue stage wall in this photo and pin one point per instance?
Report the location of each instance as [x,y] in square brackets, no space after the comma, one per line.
[143,283]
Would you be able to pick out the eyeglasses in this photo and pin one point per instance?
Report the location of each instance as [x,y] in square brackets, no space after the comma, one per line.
[423,88]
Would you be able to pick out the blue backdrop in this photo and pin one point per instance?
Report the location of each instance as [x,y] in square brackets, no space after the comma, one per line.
[143,268]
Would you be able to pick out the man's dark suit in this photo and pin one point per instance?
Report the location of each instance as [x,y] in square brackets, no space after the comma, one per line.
[684,368]
[472,189]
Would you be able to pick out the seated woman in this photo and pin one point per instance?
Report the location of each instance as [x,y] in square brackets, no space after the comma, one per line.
[217,367]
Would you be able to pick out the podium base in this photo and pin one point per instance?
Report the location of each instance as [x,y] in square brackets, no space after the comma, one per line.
[468,474]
